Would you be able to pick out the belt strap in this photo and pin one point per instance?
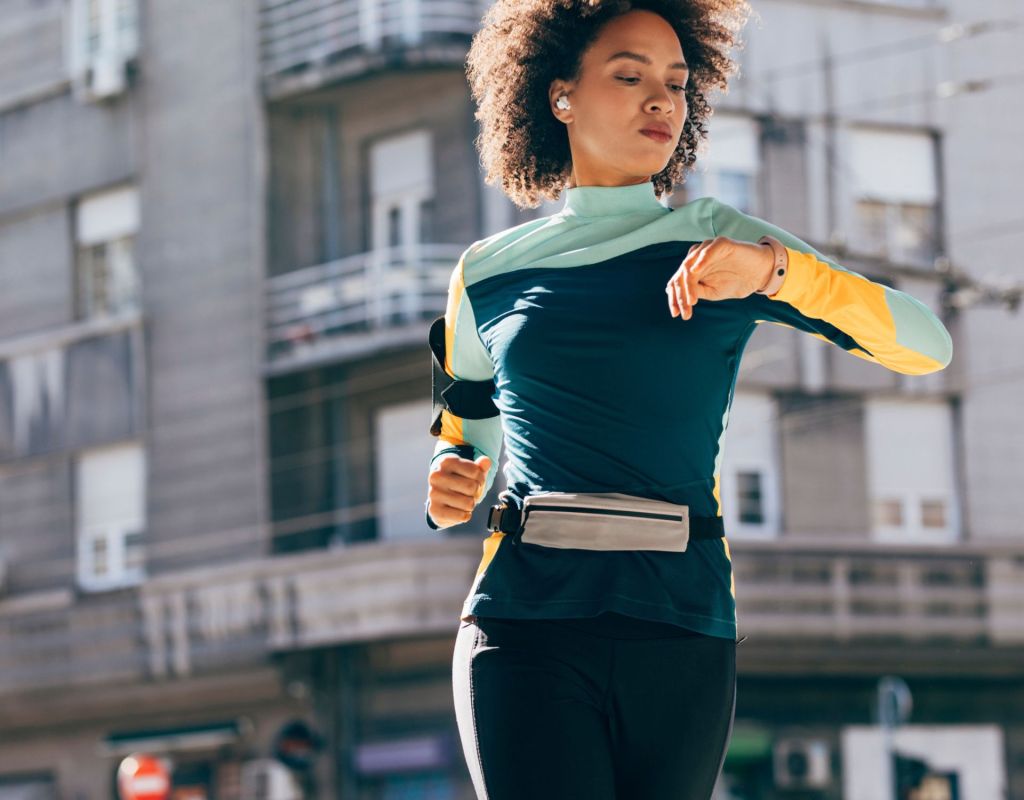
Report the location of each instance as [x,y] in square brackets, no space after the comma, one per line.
[508,519]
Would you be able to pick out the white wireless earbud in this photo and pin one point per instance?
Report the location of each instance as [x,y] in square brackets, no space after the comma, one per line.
[563,102]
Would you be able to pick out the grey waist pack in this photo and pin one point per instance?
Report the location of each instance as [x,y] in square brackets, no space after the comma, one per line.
[604,521]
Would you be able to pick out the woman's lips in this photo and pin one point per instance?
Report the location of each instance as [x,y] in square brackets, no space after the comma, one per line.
[657,136]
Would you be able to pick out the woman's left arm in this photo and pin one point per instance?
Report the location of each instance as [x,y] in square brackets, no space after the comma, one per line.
[819,296]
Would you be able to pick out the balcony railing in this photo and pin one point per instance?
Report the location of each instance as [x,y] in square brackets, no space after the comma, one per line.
[795,591]
[915,601]
[362,294]
[299,35]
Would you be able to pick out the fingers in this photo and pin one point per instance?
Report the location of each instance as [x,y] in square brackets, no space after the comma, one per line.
[461,475]
[460,466]
[682,298]
[676,297]
[448,507]
[484,463]
[459,483]
[691,279]
[453,498]
[444,515]
[683,289]
[673,303]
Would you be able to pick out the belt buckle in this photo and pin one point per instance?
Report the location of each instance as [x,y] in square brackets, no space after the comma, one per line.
[494,517]
[504,513]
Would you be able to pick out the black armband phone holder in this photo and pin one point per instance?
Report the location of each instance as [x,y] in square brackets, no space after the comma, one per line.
[466,399]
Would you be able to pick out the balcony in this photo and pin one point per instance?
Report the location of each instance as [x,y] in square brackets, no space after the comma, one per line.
[842,609]
[357,305]
[211,620]
[309,43]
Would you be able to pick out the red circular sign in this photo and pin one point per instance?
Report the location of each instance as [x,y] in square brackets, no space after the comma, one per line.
[143,777]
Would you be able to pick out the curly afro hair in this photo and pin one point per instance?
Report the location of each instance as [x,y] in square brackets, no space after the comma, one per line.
[523,45]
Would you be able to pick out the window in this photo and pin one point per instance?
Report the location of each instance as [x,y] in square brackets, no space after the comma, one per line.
[102,36]
[401,186]
[895,194]
[729,169]
[26,787]
[888,512]
[910,464]
[110,516]
[402,460]
[751,501]
[748,482]
[107,278]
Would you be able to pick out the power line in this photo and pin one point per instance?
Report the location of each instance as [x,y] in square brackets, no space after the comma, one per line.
[945,35]
[941,91]
[1007,228]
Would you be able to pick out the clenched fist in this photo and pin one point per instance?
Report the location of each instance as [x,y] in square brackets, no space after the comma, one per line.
[456,486]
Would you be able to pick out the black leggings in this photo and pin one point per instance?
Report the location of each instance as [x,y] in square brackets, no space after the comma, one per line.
[602,708]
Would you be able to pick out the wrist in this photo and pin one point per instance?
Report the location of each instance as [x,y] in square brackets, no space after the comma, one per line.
[767,270]
[779,265]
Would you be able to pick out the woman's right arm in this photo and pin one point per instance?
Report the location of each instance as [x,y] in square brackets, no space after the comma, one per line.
[465,459]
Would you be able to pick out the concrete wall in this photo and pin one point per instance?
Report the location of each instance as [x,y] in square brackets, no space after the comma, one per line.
[201,254]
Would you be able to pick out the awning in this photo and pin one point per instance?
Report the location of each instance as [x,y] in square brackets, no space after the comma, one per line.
[165,740]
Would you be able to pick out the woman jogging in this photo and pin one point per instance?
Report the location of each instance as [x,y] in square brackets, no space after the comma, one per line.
[600,347]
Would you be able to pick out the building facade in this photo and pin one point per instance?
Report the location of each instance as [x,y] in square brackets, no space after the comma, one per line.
[224,231]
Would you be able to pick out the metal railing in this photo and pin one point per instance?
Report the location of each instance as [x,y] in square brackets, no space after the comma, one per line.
[357,294]
[872,595]
[303,33]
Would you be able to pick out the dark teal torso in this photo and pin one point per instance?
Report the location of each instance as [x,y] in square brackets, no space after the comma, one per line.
[600,389]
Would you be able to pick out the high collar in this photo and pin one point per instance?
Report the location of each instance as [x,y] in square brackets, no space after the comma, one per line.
[603,201]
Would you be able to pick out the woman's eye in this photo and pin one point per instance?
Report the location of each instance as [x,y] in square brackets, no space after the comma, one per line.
[676,87]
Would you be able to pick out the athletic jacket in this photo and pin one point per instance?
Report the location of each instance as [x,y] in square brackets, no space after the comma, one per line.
[600,389]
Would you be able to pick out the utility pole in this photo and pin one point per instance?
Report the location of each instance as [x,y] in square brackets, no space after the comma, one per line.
[830,139]
[894,706]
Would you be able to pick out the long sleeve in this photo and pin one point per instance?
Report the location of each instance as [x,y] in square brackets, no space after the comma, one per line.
[868,319]
[466,358]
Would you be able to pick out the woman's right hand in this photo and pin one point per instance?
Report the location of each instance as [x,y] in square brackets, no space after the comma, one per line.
[456,485]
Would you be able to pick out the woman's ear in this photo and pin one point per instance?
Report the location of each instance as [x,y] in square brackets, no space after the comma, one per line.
[560,99]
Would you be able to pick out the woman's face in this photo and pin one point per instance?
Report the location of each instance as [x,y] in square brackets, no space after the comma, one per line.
[631,77]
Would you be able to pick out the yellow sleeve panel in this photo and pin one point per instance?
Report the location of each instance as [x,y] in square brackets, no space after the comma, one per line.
[818,296]
[860,308]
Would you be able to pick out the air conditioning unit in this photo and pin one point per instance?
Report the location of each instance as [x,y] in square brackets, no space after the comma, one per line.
[268,779]
[801,763]
[106,76]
